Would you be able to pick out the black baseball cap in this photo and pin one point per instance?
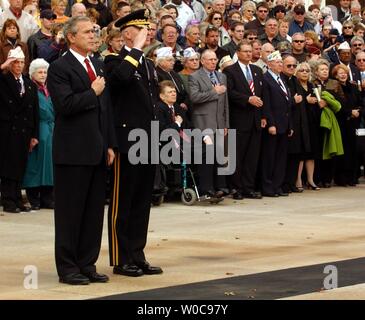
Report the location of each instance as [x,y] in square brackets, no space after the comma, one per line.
[48,14]
[299,8]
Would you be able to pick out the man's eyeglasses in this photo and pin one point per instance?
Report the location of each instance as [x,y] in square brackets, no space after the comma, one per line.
[263,11]
[348,27]
[281,10]
[360,60]
[299,41]
[299,13]
[291,65]
[304,70]
[217,18]
[252,38]
[357,45]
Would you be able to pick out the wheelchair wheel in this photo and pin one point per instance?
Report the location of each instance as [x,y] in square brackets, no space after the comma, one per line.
[188,197]
[157,200]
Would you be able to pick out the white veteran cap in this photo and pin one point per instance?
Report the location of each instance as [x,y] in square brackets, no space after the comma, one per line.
[16,53]
[274,56]
[164,52]
[190,53]
[344,46]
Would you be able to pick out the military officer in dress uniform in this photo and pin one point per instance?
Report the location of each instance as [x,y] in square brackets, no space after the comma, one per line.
[133,84]
[19,118]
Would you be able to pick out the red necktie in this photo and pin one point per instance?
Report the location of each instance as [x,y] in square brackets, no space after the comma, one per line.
[90,71]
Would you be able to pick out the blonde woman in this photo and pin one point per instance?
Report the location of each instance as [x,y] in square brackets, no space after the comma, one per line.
[313,112]
[248,11]
[59,8]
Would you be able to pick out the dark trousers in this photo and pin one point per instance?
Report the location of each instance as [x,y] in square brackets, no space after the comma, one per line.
[129,210]
[291,172]
[209,180]
[274,155]
[79,209]
[40,196]
[248,145]
[11,195]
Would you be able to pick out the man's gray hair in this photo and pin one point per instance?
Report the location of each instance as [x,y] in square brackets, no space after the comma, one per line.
[37,64]
[357,38]
[71,26]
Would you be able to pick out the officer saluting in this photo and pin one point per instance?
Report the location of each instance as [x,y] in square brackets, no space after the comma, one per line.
[133,84]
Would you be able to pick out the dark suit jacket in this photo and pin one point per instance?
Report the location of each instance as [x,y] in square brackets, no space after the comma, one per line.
[134,93]
[165,117]
[19,122]
[276,105]
[243,115]
[182,95]
[83,126]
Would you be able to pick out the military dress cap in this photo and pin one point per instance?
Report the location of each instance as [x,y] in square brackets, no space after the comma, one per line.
[138,18]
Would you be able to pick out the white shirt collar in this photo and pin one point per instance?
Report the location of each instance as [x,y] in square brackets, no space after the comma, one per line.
[79,56]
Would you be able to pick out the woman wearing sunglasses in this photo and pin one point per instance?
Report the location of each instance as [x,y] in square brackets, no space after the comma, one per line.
[313,112]
[216,20]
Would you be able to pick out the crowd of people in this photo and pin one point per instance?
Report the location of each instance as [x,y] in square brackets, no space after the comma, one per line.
[289,79]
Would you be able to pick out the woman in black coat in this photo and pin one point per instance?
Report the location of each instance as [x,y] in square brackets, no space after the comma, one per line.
[349,116]
[19,118]
[313,112]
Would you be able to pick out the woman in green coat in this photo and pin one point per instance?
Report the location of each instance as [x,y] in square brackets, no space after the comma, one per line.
[38,178]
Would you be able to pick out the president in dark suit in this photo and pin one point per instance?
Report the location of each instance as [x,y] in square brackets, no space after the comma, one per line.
[133,83]
[82,148]
[277,104]
[244,82]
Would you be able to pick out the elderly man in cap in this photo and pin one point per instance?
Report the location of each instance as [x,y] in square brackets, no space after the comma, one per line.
[344,54]
[19,114]
[165,71]
[133,84]
[277,101]
[299,24]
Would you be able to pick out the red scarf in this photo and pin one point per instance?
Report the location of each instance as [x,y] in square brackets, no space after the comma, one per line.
[42,88]
[16,13]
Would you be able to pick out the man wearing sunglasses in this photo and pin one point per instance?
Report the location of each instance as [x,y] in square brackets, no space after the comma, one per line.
[299,24]
[298,44]
[262,11]
[357,45]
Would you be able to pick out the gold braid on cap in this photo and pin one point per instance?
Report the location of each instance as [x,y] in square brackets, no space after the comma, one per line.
[137,22]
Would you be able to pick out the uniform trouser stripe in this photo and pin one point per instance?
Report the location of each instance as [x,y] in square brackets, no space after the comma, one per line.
[115,207]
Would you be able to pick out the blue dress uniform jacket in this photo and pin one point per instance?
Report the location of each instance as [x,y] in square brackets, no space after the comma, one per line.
[19,118]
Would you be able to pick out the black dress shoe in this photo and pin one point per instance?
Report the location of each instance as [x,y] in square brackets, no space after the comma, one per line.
[96,277]
[74,279]
[282,194]
[237,196]
[253,195]
[148,269]
[35,208]
[271,195]
[296,190]
[47,205]
[24,208]
[219,194]
[129,270]
[12,209]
